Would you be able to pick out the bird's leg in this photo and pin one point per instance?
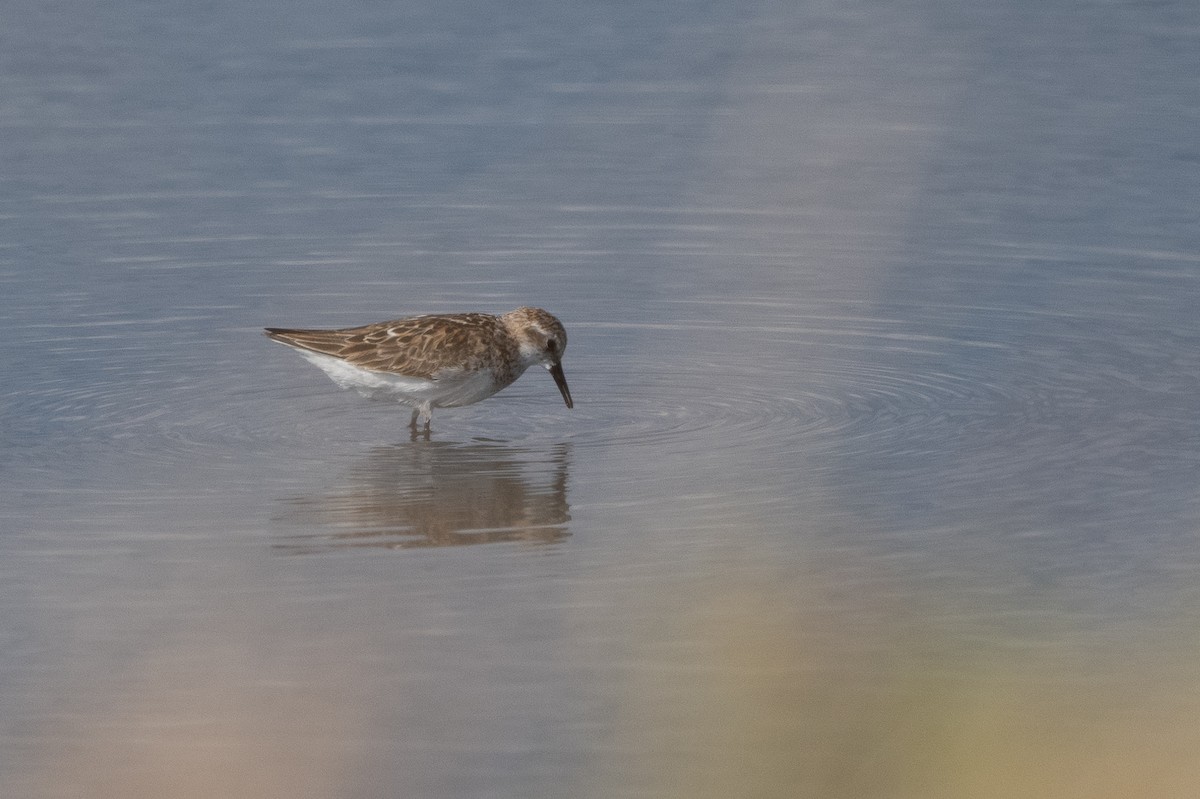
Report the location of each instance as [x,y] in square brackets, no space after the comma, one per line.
[412,423]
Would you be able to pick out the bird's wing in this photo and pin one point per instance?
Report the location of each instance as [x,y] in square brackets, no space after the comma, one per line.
[420,346]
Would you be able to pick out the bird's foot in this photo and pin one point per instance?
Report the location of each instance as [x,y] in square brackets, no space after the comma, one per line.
[420,416]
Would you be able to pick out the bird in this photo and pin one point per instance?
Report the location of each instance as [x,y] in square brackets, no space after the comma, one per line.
[436,360]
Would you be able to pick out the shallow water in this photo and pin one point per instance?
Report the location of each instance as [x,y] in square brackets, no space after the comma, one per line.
[881,479]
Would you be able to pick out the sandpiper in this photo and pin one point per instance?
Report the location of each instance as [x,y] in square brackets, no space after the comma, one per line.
[437,360]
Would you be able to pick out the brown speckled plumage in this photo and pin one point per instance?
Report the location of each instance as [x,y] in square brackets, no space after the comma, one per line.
[420,346]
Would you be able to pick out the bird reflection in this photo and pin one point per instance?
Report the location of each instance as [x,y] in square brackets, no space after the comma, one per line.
[434,494]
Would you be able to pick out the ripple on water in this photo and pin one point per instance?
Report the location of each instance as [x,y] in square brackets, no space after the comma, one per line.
[863,405]
[866,395]
[854,387]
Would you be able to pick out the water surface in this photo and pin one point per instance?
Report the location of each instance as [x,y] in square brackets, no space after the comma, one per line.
[881,479]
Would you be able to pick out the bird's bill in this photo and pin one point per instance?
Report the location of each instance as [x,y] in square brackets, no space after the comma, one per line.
[560,380]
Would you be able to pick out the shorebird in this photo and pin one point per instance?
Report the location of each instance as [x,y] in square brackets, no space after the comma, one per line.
[437,360]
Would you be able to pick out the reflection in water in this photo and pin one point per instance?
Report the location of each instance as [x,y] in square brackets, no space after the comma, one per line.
[436,494]
[886,320]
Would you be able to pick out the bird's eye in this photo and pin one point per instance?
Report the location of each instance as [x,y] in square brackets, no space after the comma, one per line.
[551,345]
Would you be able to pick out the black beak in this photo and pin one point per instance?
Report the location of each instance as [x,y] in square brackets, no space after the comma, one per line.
[560,380]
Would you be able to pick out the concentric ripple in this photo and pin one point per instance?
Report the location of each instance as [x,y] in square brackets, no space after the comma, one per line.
[854,390]
[870,395]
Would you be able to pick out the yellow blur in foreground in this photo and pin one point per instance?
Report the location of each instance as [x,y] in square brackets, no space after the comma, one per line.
[743,695]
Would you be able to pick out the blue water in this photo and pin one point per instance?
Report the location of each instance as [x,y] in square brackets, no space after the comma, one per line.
[881,478]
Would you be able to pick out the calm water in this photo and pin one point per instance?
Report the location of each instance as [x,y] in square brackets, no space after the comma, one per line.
[882,476]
